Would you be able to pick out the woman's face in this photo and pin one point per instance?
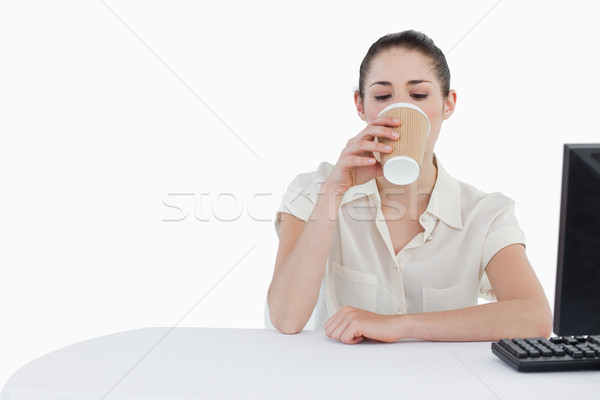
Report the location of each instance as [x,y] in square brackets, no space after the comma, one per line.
[399,75]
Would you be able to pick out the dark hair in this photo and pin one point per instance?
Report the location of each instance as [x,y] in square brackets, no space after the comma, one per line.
[411,40]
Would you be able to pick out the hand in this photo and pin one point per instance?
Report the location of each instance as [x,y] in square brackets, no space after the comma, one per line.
[357,164]
[352,325]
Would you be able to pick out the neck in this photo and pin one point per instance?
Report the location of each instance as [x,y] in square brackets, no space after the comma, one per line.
[413,197]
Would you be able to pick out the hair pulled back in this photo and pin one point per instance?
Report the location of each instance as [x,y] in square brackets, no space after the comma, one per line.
[410,40]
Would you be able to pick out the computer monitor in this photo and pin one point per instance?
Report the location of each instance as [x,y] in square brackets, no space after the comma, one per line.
[577,296]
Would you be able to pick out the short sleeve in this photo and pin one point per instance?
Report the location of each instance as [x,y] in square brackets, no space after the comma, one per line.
[301,196]
[503,231]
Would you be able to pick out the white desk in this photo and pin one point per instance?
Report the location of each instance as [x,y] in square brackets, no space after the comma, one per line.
[199,363]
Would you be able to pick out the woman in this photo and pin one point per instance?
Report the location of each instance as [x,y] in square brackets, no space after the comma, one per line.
[386,262]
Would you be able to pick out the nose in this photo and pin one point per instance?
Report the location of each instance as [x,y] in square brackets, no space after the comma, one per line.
[402,96]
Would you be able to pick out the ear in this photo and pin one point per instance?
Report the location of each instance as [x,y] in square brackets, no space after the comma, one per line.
[360,107]
[449,104]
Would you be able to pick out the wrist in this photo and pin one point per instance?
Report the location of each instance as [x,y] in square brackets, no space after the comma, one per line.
[328,202]
[405,326]
[332,189]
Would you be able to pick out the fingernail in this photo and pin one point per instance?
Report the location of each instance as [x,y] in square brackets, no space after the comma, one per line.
[396,134]
[388,148]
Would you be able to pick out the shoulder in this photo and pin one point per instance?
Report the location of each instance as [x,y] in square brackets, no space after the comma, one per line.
[308,182]
[492,214]
[461,204]
[301,195]
[474,199]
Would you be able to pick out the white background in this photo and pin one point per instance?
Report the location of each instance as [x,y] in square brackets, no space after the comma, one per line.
[110,112]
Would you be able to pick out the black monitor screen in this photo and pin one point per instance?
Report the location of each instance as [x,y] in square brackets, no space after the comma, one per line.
[577,296]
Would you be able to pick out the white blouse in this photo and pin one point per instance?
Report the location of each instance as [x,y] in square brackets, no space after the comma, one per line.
[440,269]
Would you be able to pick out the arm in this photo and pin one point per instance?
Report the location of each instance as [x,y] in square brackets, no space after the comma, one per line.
[522,310]
[300,264]
[304,247]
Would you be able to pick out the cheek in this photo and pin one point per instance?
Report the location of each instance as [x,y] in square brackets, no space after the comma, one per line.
[433,114]
[372,110]
[435,119]
[372,115]
[432,139]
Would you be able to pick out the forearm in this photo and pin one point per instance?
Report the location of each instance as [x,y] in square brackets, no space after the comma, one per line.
[485,322]
[296,282]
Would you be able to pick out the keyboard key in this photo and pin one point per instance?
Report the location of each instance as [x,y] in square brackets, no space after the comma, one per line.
[533,341]
[570,340]
[520,342]
[558,351]
[589,353]
[518,352]
[546,352]
[594,339]
[513,348]
[587,349]
[556,339]
[573,351]
[532,351]
[595,347]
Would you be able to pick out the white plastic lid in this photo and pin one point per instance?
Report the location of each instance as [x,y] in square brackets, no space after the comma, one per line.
[407,105]
[401,170]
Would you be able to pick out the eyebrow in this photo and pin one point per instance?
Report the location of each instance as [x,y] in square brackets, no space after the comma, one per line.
[411,82]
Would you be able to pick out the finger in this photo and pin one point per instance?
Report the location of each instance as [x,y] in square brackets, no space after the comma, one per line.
[381,127]
[339,330]
[359,339]
[379,131]
[366,146]
[386,121]
[351,161]
[356,340]
[338,325]
[335,327]
[331,323]
[350,335]
[379,169]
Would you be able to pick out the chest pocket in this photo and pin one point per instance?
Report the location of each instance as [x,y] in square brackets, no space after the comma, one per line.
[458,296]
[349,287]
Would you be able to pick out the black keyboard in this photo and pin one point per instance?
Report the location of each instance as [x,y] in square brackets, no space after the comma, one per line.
[559,353]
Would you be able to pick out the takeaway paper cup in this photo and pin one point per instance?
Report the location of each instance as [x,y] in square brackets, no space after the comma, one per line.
[403,165]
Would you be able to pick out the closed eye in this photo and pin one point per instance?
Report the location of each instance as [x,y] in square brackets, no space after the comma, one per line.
[382,98]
